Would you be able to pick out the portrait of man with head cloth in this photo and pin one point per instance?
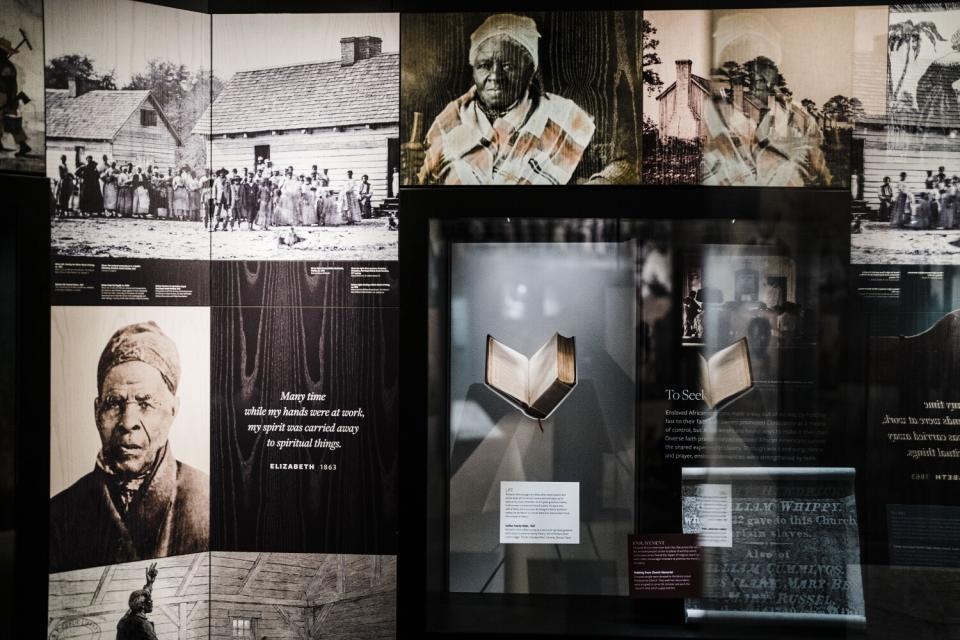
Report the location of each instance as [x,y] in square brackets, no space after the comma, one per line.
[506,129]
[138,502]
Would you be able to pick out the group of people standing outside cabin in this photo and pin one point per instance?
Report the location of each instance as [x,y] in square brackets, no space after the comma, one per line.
[106,189]
[263,197]
[266,197]
[936,206]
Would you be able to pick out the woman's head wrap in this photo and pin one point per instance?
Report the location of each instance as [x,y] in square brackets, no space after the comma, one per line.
[146,343]
[520,29]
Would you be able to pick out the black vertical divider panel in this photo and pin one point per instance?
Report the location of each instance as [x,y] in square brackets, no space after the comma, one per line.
[26,211]
[414,326]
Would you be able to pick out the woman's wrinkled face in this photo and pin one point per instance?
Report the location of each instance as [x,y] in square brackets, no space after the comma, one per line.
[134,413]
[502,71]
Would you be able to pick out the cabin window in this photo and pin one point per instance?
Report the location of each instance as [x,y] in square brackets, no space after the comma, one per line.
[243,628]
[261,151]
[148,118]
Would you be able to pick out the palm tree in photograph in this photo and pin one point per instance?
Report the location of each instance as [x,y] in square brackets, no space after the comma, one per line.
[909,36]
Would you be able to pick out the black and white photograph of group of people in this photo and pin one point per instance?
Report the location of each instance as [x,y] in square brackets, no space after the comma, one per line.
[908,219]
[260,198]
[908,207]
[936,206]
[111,189]
[265,197]
[160,141]
[282,202]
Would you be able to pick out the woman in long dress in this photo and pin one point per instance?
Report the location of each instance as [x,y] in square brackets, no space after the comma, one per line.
[181,198]
[177,199]
[91,199]
[308,203]
[141,194]
[326,204]
[65,190]
[946,205]
[124,193]
[77,187]
[149,181]
[193,187]
[265,212]
[288,213]
[167,189]
[110,190]
[348,205]
[900,216]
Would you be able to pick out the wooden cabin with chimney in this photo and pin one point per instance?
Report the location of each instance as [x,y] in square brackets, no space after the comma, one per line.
[339,115]
[234,595]
[683,105]
[127,125]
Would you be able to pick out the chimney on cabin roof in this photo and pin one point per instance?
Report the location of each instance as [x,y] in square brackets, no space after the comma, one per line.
[683,82]
[356,48]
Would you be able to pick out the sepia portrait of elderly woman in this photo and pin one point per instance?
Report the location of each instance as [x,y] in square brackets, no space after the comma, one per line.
[137,500]
[527,112]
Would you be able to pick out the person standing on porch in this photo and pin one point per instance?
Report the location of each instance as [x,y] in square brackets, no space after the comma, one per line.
[886,199]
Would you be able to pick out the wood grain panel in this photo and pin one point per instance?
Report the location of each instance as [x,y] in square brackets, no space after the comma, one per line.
[903,374]
[350,354]
[300,284]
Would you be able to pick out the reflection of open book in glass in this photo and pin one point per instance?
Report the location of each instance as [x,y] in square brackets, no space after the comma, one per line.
[727,374]
[535,385]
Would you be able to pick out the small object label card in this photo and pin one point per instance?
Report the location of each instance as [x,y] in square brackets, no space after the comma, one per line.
[665,565]
[539,513]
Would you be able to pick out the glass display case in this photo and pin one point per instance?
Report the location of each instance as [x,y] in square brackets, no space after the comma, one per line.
[692,471]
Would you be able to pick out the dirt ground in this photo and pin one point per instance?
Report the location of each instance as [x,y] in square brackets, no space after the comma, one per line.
[139,238]
[879,243]
[366,240]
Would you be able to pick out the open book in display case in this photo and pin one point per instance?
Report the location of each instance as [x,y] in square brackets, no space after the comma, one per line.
[703,346]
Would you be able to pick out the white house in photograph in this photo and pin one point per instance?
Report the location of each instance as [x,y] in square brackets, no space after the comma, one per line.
[127,125]
[339,115]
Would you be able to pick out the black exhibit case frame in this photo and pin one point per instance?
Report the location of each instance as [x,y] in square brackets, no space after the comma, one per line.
[426,607]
